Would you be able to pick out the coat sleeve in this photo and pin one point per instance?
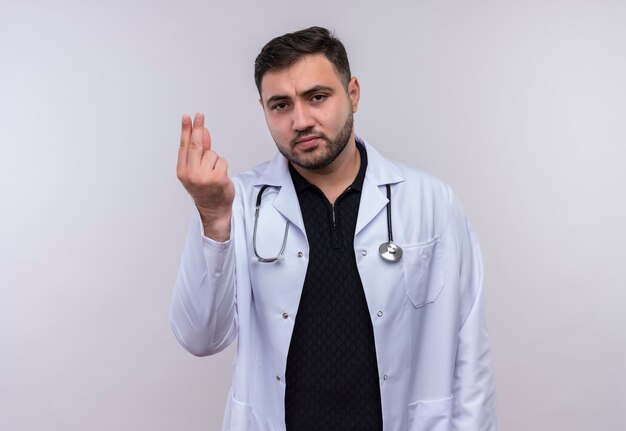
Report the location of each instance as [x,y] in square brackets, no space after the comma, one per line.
[473,387]
[203,310]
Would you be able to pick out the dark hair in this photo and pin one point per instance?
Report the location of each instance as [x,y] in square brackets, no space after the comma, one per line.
[283,51]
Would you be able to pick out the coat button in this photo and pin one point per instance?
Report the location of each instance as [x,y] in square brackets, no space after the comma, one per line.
[300,254]
[278,378]
[363,252]
[379,314]
[285,315]
[385,377]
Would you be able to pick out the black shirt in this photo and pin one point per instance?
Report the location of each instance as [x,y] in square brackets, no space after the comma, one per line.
[332,378]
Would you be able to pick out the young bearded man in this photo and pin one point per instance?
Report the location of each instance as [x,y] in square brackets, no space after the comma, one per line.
[353,283]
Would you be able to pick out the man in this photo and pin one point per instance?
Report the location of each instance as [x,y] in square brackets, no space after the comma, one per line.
[336,331]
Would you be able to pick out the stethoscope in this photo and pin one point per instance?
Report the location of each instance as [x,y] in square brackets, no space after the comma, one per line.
[389,250]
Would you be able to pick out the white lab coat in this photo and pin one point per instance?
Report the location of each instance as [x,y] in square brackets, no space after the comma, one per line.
[426,310]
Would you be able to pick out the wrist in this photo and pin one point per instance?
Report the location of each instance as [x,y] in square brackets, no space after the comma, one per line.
[216,225]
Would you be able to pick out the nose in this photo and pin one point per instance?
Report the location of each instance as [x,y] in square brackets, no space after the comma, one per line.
[302,118]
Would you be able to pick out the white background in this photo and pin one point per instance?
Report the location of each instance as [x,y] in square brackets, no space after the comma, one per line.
[519,105]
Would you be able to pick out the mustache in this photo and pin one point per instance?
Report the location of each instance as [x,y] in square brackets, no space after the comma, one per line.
[307,133]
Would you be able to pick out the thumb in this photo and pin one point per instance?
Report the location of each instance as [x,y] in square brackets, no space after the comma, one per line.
[206,140]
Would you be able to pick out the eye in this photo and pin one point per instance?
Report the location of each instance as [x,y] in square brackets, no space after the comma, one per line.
[279,106]
[318,98]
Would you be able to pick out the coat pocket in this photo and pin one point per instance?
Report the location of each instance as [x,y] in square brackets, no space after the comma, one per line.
[240,417]
[431,415]
[423,272]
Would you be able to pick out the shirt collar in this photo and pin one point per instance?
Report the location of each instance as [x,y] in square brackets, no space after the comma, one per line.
[300,183]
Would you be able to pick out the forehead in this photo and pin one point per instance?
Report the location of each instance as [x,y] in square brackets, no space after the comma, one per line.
[309,71]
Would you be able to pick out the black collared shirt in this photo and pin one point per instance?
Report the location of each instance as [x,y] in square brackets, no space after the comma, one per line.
[332,378]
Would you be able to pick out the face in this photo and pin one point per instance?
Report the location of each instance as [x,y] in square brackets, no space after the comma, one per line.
[309,111]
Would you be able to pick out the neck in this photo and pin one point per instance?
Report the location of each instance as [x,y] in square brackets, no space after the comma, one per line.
[333,179]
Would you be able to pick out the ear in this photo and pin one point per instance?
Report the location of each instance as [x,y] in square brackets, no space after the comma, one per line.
[354,92]
[261,103]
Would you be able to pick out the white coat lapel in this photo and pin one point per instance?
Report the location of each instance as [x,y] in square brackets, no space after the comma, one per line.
[373,197]
[372,202]
[276,174]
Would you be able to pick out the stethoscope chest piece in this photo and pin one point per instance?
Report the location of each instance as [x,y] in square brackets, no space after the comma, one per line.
[390,251]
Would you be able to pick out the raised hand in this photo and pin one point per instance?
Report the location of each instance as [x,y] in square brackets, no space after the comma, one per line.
[204,175]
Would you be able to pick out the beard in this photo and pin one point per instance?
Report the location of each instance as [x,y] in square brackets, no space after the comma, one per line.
[327,154]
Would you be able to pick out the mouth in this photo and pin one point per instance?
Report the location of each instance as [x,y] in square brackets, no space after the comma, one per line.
[307,140]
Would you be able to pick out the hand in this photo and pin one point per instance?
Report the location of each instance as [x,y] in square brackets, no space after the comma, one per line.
[204,175]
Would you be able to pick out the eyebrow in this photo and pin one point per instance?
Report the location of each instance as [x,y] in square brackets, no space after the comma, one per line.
[307,92]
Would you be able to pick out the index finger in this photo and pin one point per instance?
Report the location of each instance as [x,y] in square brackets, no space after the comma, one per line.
[194,154]
[185,135]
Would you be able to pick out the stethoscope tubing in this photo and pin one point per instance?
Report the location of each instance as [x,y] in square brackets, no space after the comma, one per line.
[389,250]
[256,219]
